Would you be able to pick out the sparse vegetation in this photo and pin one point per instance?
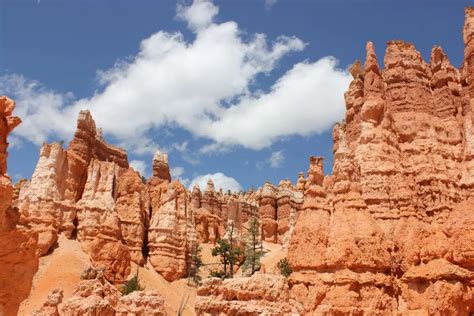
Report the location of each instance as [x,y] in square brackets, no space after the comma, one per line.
[228,252]
[132,285]
[284,267]
[218,274]
[253,249]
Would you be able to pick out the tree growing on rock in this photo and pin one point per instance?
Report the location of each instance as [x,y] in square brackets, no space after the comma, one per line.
[284,267]
[253,249]
[228,252]
[132,285]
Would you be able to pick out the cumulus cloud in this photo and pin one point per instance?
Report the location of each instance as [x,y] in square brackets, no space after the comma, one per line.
[140,166]
[220,181]
[202,86]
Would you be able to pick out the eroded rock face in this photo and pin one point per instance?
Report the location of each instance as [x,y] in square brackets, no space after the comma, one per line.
[167,234]
[82,192]
[391,230]
[96,296]
[261,294]
[278,210]
[18,258]
[383,229]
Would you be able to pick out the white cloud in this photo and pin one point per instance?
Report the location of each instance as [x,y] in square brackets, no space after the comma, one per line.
[270,3]
[220,181]
[140,166]
[199,15]
[177,172]
[203,86]
[276,159]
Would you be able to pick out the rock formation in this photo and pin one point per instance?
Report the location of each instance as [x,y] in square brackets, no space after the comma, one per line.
[50,306]
[263,294]
[96,296]
[278,210]
[383,228]
[391,230]
[74,192]
[18,260]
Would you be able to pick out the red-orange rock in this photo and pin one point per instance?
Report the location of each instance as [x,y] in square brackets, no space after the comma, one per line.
[261,294]
[167,234]
[384,231]
[18,260]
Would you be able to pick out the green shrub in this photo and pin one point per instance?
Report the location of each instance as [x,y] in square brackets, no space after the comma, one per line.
[218,274]
[284,267]
[132,285]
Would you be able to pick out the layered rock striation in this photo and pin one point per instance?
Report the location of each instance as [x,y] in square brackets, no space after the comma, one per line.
[384,229]
[18,260]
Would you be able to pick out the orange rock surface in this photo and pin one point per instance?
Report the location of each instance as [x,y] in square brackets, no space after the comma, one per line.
[384,231]
[18,260]
[262,294]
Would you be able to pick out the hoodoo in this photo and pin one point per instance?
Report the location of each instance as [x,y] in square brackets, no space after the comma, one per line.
[390,231]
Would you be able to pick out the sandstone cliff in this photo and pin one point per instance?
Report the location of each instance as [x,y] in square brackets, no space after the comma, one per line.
[384,229]
[18,260]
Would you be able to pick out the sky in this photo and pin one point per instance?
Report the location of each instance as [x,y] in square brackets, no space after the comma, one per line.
[240,91]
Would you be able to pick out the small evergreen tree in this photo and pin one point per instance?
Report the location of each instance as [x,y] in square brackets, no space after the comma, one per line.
[253,249]
[228,252]
[132,285]
[195,264]
[284,267]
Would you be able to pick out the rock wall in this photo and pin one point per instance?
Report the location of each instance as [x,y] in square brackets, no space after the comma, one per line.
[262,294]
[96,296]
[384,230]
[18,260]
[278,210]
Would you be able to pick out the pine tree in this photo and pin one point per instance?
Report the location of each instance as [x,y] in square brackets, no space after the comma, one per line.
[228,252]
[253,249]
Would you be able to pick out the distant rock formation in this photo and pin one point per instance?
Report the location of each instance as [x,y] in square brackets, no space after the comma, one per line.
[278,210]
[18,260]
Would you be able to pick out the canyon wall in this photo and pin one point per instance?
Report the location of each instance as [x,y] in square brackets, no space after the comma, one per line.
[89,192]
[385,229]
[18,260]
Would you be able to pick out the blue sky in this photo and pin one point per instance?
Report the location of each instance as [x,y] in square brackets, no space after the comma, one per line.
[243,90]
